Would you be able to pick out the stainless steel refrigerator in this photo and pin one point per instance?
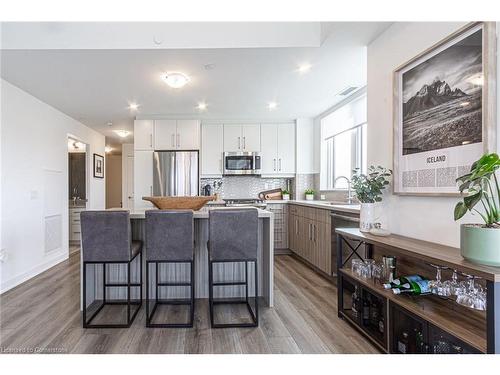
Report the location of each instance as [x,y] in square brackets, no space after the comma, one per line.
[175,173]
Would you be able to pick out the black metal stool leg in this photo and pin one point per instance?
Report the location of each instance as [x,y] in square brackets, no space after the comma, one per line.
[210,292]
[147,293]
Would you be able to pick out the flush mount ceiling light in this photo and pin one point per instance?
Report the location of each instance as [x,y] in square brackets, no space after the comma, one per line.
[272,105]
[304,68]
[122,133]
[133,106]
[175,80]
[202,106]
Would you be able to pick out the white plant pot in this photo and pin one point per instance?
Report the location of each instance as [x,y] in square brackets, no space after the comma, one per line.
[309,197]
[366,217]
[286,197]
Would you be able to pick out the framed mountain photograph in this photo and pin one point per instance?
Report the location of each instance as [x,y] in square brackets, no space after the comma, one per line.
[444,111]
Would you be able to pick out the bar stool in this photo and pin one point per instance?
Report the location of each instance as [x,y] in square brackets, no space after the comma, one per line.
[169,239]
[107,239]
[233,238]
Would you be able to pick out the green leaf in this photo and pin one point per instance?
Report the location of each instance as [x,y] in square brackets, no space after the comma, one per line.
[471,200]
[460,210]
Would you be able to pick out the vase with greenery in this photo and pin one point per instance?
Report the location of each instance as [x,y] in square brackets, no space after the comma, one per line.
[310,194]
[368,189]
[285,194]
[480,188]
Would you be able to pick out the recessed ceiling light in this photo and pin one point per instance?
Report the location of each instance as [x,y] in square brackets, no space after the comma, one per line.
[304,68]
[272,105]
[202,106]
[175,80]
[107,149]
[122,133]
[133,106]
[209,66]
[109,123]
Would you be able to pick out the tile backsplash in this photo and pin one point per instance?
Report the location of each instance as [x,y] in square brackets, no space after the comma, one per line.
[245,186]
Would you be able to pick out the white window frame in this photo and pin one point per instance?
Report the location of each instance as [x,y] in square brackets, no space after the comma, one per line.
[327,152]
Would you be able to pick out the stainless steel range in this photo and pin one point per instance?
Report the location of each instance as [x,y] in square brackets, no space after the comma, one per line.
[248,202]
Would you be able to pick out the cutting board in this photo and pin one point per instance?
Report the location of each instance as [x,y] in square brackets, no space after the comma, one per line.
[274,194]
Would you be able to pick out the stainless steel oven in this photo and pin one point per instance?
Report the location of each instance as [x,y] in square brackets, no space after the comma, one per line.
[241,163]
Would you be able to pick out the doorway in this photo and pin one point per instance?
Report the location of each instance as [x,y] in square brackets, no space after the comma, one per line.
[77,189]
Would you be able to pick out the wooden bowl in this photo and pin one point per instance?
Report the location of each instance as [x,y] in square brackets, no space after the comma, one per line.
[179,203]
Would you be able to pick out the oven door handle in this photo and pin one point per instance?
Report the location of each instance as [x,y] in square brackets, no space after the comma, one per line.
[347,218]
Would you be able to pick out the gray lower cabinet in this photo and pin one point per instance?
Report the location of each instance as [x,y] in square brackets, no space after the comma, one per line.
[309,235]
[280,211]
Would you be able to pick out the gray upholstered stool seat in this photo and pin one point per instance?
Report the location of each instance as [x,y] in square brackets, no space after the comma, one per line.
[169,239]
[233,238]
[107,239]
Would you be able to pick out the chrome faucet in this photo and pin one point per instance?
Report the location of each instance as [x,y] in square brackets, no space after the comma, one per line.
[349,195]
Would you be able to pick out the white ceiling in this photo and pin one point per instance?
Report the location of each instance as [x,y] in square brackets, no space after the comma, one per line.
[95,86]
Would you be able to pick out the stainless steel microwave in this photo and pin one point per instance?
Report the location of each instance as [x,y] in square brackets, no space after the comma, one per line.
[242,163]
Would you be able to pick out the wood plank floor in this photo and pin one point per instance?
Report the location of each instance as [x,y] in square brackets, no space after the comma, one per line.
[42,315]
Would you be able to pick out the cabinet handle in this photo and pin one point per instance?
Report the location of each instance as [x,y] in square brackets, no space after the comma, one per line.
[274,165]
[280,164]
[244,143]
[173,140]
[178,140]
[296,226]
[309,234]
[314,233]
[151,140]
[151,190]
[239,143]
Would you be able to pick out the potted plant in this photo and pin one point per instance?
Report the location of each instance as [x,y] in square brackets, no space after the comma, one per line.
[285,194]
[309,194]
[368,188]
[480,243]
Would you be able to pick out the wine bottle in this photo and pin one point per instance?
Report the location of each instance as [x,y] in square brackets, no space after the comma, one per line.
[417,288]
[366,313]
[396,283]
[403,343]
[354,301]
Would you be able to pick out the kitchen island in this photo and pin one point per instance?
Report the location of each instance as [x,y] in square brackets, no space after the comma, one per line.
[180,272]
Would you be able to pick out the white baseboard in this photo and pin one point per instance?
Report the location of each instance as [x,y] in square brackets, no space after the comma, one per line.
[15,281]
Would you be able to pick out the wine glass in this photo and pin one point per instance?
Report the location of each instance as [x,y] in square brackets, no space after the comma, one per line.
[453,285]
[436,286]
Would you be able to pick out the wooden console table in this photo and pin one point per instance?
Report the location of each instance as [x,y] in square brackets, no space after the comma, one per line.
[468,330]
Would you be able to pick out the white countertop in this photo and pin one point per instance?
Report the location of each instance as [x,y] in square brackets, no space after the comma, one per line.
[201,214]
[333,206]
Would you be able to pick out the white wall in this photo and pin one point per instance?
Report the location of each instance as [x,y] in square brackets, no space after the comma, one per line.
[34,140]
[427,218]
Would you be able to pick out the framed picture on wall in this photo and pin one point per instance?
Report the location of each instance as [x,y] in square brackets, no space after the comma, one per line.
[98,166]
[444,111]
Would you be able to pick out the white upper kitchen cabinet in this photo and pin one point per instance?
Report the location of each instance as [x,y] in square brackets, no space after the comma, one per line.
[188,134]
[251,137]
[242,137]
[269,153]
[177,134]
[143,178]
[143,134]
[212,147]
[286,148]
[165,135]
[278,149]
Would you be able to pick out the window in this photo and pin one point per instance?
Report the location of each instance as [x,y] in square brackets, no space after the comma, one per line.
[343,143]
